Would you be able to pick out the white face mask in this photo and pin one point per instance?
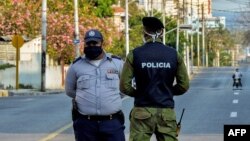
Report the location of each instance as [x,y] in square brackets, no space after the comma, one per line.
[154,36]
[143,39]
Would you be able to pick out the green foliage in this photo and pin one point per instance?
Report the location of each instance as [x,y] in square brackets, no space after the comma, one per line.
[225,59]
[170,38]
[5,66]
[92,14]
[219,39]
[102,8]
[118,48]
[136,32]
[211,57]
[5,4]
[10,87]
[23,86]
[62,6]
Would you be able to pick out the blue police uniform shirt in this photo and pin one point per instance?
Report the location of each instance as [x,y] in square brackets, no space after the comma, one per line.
[95,88]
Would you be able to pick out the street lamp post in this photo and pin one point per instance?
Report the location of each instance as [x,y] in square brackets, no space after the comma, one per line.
[126,24]
[164,20]
[44,35]
[126,27]
[76,40]
[178,28]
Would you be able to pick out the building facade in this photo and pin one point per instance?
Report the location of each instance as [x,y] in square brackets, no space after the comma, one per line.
[188,11]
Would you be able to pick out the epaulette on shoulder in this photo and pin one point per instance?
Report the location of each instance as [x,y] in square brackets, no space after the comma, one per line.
[116,57]
[77,59]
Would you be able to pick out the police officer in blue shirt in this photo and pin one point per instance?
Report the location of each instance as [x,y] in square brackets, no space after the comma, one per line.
[92,82]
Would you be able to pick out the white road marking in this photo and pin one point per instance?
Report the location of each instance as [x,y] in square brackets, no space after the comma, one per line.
[236,93]
[56,133]
[235,101]
[233,114]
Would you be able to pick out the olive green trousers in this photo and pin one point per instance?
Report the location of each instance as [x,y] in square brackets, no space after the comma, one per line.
[144,122]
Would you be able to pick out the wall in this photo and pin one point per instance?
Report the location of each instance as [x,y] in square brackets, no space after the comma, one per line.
[30,74]
[29,67]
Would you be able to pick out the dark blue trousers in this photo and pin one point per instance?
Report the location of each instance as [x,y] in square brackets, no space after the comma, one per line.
[105,130]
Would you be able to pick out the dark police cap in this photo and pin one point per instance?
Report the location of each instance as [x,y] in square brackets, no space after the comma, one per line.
[152,23]
[93,35]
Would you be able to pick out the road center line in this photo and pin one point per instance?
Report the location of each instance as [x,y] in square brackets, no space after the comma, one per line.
[235,101]
[57,132]
[236,93]
[233,114]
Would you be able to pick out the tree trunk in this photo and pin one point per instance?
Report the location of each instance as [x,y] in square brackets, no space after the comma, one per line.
[62,70]
[218,58]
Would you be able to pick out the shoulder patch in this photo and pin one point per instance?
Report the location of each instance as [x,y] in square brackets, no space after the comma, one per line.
[117,57]
[77,59]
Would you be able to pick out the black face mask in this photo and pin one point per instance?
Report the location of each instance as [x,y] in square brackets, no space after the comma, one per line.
[92,52]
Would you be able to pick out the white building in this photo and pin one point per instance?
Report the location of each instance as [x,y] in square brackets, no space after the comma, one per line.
[190,11]
[119,17]
[186,7]
[215,22]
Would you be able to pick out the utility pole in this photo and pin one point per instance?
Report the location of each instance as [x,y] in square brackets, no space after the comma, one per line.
[126,27]
[198,36]
[185,16]
[146,6]
[203,36]
[183,10]
[164,20]
[152,12]
[44,35]
[187,54]
[192,50]
[77,39]
[192,47]
[178,27]
[233,58]
[206,59]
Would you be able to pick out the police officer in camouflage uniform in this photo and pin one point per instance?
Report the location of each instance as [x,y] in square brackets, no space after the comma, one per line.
[154,67]
[93,83]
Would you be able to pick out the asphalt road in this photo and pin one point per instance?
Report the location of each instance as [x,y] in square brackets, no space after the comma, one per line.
[209,104]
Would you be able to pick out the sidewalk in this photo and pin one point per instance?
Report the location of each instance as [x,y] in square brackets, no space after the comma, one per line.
[28,92]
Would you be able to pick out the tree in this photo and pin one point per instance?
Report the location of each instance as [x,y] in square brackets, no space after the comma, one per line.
[24,17]
[19,18]
[218,41]
[102,8]
[135,27]
[61,31]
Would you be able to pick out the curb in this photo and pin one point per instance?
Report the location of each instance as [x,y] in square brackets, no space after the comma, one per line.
[4,93]
[28,92]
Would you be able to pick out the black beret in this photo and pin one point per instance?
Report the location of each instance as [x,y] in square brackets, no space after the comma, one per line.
[152,23]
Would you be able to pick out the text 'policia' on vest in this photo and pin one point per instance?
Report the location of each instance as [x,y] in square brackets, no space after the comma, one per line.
[155,65]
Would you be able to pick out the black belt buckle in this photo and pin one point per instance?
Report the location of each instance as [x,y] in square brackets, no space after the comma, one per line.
[106,117]
[110,117]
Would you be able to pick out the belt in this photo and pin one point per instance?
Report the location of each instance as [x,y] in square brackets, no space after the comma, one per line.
[101,117]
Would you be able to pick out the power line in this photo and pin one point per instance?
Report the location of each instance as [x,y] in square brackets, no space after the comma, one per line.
[231,11]
[239,2]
